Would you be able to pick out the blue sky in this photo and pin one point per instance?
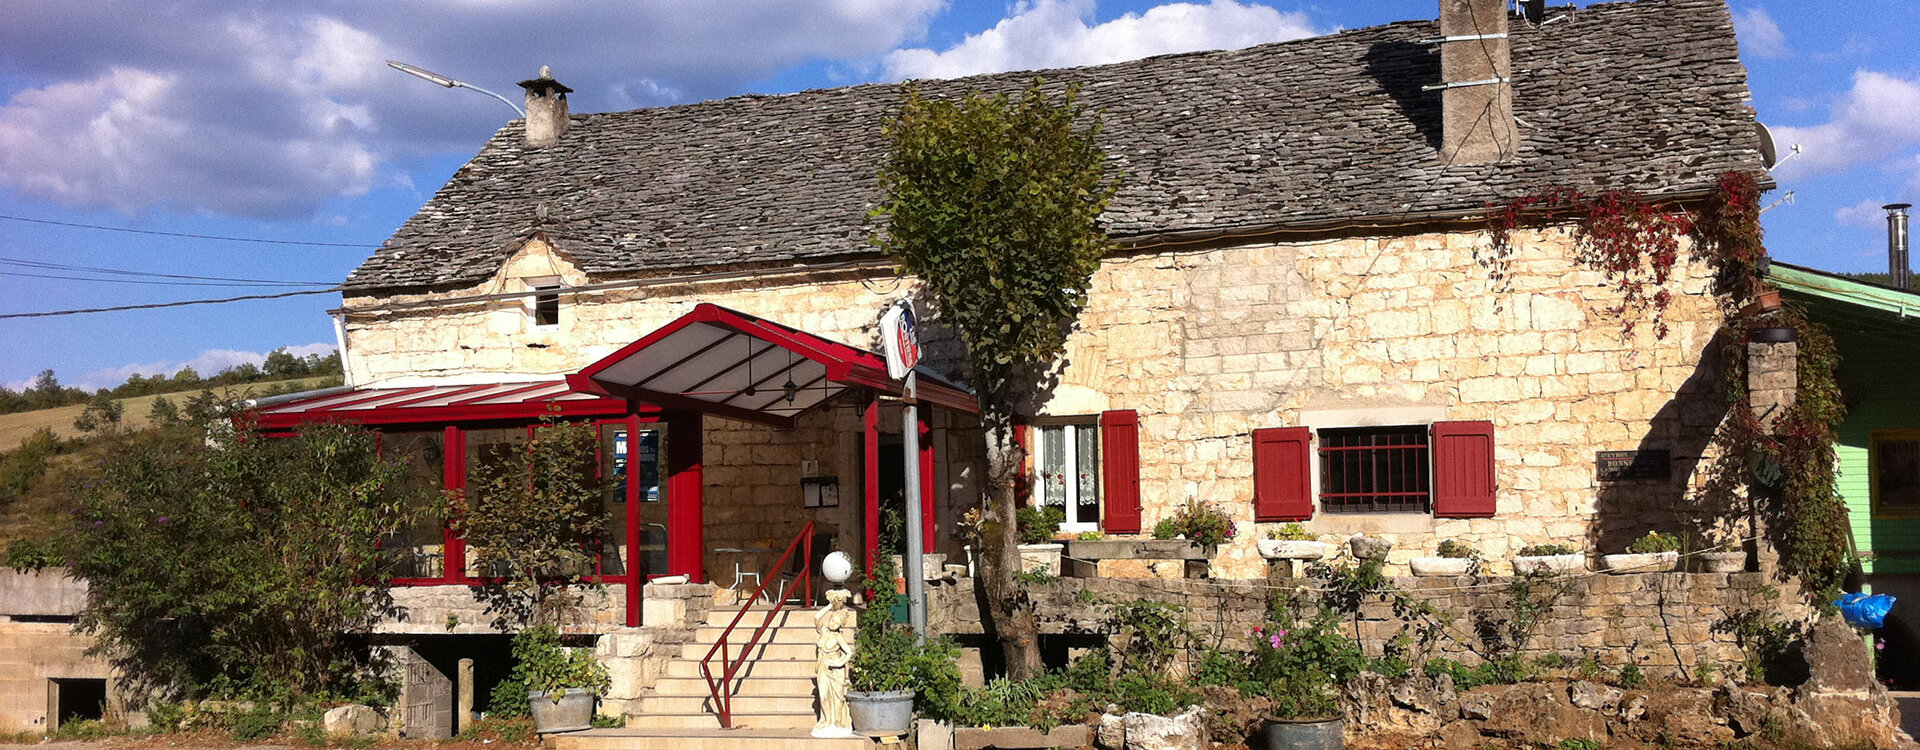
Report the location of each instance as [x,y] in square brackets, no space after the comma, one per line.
[279,121]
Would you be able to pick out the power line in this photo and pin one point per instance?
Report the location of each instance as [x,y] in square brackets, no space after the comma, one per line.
[187,235]
[157,305]
[158,282]
[46,266]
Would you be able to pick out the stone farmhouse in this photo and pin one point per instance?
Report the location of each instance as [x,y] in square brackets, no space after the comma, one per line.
[1297,327]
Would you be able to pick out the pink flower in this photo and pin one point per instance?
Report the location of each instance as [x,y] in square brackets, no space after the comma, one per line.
[1275,640]
[1283,632]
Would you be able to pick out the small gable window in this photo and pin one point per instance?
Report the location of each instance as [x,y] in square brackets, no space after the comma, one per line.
[544,309]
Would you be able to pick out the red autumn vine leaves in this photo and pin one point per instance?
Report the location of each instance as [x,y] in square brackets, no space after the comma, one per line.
[1634,242]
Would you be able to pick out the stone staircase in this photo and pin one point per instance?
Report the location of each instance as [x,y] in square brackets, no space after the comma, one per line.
[772,701]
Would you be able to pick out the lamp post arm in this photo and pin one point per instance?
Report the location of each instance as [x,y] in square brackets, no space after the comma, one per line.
[503,100]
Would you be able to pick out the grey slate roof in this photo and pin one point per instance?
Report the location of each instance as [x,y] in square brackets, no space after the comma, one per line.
[1649,95]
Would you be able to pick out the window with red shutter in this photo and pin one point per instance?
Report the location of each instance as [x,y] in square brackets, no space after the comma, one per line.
[1463,473]
[1282,474]
[1120,471]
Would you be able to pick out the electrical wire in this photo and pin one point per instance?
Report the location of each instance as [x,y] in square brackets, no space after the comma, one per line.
[156,282]
[158,305]
[47,266]
[187,235]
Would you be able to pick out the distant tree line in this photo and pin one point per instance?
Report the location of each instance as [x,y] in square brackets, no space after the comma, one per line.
[46,392]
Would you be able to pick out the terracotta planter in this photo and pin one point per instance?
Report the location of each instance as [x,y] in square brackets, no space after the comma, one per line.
[1292,549]
[1441,566]
[1041,557]
[1724,561]
[1650,562]
[1574,563]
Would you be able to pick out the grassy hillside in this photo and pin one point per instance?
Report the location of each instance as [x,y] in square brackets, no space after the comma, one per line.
[16,427]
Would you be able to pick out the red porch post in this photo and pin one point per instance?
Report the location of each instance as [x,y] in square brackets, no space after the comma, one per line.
[636,578]
[686,544]
[453,467]
[870,481]
[926,479]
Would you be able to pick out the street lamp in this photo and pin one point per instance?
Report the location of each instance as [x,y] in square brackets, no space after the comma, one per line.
[440,80]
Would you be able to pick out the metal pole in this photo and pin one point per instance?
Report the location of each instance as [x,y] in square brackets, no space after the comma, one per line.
[916,533]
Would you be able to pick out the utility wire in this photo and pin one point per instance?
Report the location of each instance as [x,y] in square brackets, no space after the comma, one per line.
[187,235]
[46,266]
[158,282]
[157,305]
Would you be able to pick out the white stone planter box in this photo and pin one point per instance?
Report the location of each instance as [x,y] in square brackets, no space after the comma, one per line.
[1292,549]
[1441,566]
[1041,557]
[1651,562]
[1724,561]
[1574,563]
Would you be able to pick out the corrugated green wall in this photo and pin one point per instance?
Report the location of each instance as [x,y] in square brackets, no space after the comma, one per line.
[1886,380]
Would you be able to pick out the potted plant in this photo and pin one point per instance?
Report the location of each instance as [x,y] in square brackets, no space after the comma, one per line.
[891,666]
[1199,523]
[1655,552]
[1300,665]
[562,683]
[1549,558]
[1725,556]
[1292,542]
[1037,527]
[1452,558]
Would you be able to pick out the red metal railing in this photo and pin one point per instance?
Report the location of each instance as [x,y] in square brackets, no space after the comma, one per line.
[723,688]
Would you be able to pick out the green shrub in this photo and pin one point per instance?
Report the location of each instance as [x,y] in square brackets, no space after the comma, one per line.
[1653,542]
[1631,677]
[508,699]
[542,663]
[30,554]
[1546,550]
[1292,532]
[1457,550]
[82,729]
[1039,525]
[257,723]
[166,716]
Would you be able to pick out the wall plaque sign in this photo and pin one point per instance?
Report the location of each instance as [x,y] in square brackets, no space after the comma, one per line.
[1614,466]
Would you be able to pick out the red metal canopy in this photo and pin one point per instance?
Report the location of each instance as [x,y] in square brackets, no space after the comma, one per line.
[436,404]
[732,364]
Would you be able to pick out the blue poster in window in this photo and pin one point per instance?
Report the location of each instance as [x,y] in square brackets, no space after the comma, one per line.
[620,466]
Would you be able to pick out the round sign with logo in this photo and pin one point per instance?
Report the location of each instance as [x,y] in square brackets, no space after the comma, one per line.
[900,340]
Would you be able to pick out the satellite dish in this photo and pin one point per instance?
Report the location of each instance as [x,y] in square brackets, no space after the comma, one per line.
[1769,154]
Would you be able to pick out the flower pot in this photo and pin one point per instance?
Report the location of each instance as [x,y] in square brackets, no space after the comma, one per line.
[1573,563]
[1299,734]
[572,713]
[1723,561]
[1292,549]
[1040,557]
[881,713]
[1441,566]
[1650,562]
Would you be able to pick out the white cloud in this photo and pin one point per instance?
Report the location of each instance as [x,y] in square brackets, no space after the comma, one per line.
[1872,124]
[1058,33]
[1759,35]
[1866,214]
[271,110]
[206,363]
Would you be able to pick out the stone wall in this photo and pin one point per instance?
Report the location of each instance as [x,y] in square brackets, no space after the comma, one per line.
[38,645]
[1667,623]
[1210,344]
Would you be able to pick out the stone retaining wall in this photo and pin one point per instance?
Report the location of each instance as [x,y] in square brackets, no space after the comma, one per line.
[1664,622]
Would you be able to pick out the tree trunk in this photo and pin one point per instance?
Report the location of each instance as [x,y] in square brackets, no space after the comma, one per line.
[1008,607]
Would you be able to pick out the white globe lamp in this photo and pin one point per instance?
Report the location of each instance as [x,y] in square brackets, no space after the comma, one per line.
[837,567]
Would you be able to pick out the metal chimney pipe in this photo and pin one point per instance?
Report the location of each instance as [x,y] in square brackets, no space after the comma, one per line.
[1901,271]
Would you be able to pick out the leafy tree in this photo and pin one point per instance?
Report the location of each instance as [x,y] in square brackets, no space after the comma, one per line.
[25,465]
[533,514]
[243,569]
[101,415]
[205,407]
[993,202]
[282,364]
[186,376]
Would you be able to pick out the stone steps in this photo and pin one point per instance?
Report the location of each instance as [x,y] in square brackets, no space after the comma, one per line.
[691,738]
[802,720]
[757,686]
[773,690]
[743,705]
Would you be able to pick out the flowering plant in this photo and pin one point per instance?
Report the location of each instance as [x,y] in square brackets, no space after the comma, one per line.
[1300,664]
[1199,523]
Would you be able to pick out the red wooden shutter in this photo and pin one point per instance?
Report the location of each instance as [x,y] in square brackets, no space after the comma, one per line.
[1283,474]
[1120,471]
[1023,482]
[1463,480]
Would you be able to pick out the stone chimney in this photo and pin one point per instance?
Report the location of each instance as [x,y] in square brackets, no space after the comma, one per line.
[1476,97]
[547,115]
[1773,377]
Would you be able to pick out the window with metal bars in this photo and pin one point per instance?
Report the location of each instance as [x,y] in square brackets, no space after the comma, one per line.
[1375,470]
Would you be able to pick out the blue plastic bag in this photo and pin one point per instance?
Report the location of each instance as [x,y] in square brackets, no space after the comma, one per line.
[1863,611]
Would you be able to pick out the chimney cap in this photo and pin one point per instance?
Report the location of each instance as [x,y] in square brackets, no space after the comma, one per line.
[1897,206]
[545,83]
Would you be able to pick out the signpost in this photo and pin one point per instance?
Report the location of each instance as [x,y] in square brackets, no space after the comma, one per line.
[902,345]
